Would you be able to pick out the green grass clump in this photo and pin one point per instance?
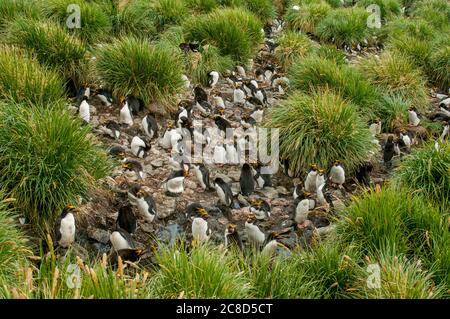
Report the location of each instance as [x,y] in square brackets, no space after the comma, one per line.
[417,50]
[13,247]
[388,8]
[393,111]
[308,17]
[46,160]
[12,9]
[168,12]
[426,171]
[210,60]
[51,44]
[320,127]
[201,6]
[292,46]
[24,80]
[236,32]
[436,12]
[395,74]
[439,69]
[95,23]
[399,279]
[263,9]
[331,53]
[314,72]
[133,66]
[136,18]
[203,272]
[346,26]
[402,26]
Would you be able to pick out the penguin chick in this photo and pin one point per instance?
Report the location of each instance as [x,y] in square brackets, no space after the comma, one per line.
[202,174]
[254,234]
[246,180]
[223,191]
[64,229]
[125,116]
[174,183]
[121,239]
[310,182]
[213,78]
[84,110]
[232,238]
[150,126]
[126,219]
[139,148]
[337,173]
[260,208]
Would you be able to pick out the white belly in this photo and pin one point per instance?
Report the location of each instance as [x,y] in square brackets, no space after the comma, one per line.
[118,241]
[84,112]
[301,211]
[67,230]
[200,229]
[175,185]
[254,233]
[125,116]
[144,210]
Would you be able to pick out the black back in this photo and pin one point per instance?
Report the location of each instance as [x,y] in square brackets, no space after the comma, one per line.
[126,219]
[246,180]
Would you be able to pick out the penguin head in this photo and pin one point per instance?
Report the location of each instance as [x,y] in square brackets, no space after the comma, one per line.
[122,100]
[185,171]
[251,218]
[337,163]
[170,124]
[85,98]
[202,212]
[390,138]
[307,194]
[221,110]
[321,171]
[231,229]
[314,167]
[256,203]
[69,209]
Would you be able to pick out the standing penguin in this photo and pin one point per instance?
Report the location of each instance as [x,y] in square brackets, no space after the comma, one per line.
[213,78]
[310,182]
[238,94]
[413,117]
[223,191]
[388,152]
[254,234]
[232,238]
[112,129]
[219,155]
[126,116]
[337,173]
[64,229]
[200,229]
[246,180]
[146,205]
[126,219]
[174,184]
[302,208]
[150,126]
[263,180]
[202,174]
[375,127]
[135,167]
[139,148]
[320,179]
[200,95]
[405,141]
[445,131]
[85,113]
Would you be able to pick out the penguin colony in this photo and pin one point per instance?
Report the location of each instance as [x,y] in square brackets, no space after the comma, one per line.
[236,214]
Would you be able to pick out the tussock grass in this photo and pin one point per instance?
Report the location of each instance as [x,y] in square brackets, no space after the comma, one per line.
[24,80]
[95,22]
[133,66]
[12,9]
[398,221]
[439,69]
[393,110]
[51,44]
[395,74]
[436,12]
[308,17]
[136,18]
[399,279]
[203,272]
[313,72]
[292,47]
[320,128]
[426,170]
[236,32]
[168,12]
[331,53]
[201,6]
[46,159]
[346,26]
[13,246]
[418,51]
[388,8]
[263,9]
[210,60]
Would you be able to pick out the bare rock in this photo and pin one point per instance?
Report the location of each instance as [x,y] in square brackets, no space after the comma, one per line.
[100,235]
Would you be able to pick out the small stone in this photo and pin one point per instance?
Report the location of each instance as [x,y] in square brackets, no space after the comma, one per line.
[280,202]
[100,235]
[282,190]
[190,184]
[167,208]
[157,163]
[269,192]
